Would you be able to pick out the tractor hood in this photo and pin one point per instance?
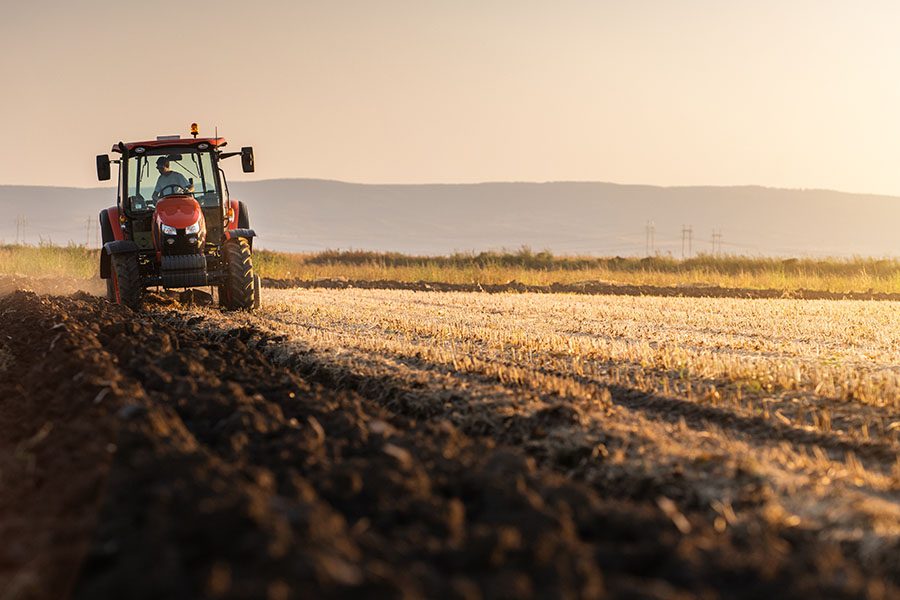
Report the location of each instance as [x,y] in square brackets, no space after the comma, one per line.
[178,211]
[178,226]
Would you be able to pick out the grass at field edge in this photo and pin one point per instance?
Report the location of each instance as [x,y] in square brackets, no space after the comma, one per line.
[527,267]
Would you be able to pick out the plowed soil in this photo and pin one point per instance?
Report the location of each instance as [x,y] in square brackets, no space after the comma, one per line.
[179,452]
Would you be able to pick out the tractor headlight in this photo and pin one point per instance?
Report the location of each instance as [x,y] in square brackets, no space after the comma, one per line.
[168,229]
[195,228]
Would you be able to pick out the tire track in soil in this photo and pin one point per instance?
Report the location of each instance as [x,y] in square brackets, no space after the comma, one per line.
[231,477]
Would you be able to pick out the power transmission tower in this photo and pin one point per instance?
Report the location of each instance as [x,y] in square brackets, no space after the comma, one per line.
[716,242]
[21,224]
[687,234]
[651,238]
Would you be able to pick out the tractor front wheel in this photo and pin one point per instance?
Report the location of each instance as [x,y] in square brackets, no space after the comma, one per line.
[124,283]
[237,293]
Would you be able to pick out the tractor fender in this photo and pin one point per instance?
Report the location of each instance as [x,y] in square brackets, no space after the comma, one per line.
[241,218]
[115,228]
[114,247]
[106,232]
[231,234]
[120,247]
[109,227]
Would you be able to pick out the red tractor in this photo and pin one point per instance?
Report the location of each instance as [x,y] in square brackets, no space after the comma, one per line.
[174,224]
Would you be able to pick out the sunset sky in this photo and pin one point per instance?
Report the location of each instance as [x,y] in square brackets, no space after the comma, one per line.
[799,94]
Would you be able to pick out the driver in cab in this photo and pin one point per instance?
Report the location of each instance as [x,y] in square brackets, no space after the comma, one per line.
[169,179]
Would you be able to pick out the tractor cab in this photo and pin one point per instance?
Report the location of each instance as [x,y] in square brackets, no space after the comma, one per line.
[165,187]
[174,221]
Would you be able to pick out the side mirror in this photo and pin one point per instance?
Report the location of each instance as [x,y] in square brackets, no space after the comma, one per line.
[103,167]
[247,159]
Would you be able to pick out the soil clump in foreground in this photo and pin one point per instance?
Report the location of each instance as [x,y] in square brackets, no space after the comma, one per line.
[144,457]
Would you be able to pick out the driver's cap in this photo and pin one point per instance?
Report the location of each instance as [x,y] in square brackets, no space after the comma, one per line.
[162,160]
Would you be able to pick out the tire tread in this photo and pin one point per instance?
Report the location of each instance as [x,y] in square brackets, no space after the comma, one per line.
[128,277]
[238,289]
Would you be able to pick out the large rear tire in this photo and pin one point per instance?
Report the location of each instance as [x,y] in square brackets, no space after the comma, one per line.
[124,283]
[237,293]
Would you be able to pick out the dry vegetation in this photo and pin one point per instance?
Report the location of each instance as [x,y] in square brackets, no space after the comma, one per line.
[832,275]
[48,261]
[543,268]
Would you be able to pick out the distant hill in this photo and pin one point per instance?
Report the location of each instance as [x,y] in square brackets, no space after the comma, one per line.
[564,217]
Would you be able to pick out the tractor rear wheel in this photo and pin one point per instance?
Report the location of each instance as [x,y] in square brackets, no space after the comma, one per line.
[124,283]
[238,290]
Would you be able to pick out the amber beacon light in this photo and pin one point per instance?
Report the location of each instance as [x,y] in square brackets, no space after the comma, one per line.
[194,129]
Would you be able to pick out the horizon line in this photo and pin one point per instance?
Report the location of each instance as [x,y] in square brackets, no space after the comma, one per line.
[495,182]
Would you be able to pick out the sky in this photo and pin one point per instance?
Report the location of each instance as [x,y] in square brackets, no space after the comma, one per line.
[787,93]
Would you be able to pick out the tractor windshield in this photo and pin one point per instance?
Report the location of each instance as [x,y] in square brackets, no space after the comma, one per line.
[155,176]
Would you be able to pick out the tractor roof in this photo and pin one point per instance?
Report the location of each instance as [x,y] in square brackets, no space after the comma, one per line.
[170,143]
